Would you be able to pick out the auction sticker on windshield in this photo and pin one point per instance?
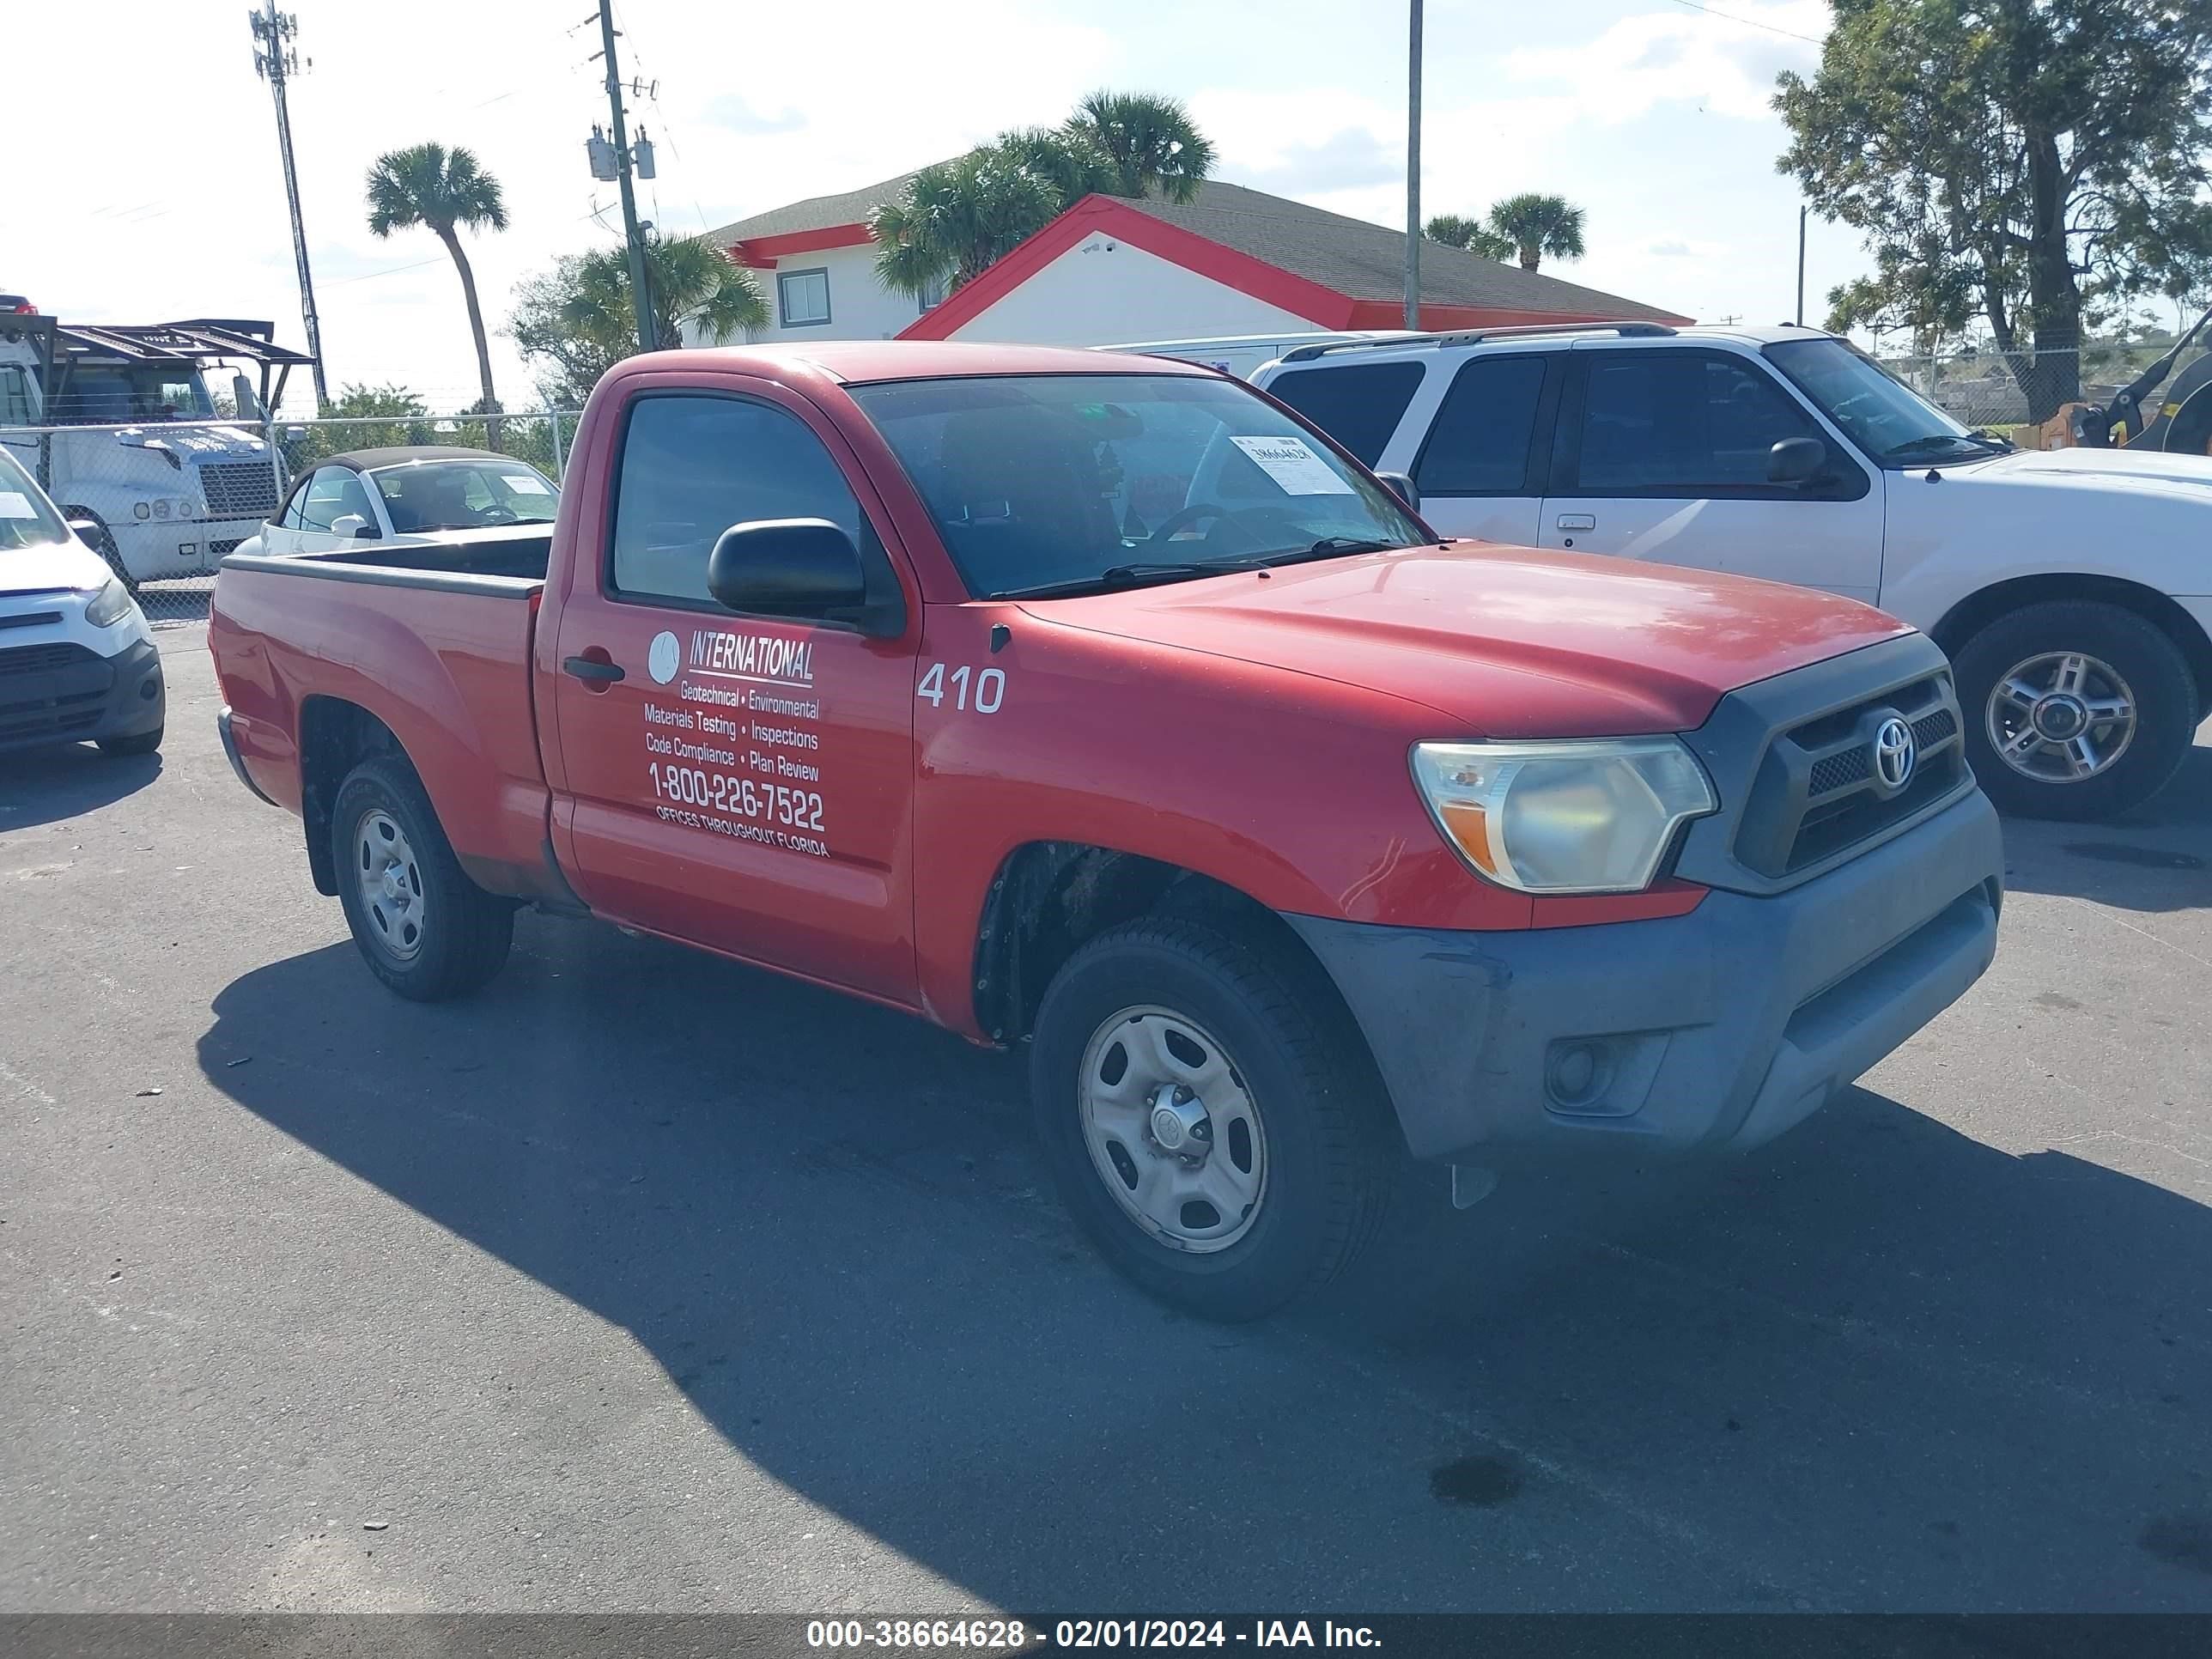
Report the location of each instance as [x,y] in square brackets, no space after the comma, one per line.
[525,483]
[1292,464]
[14,504]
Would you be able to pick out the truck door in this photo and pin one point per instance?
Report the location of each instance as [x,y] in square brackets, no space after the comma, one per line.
[741,782]
[1662,456]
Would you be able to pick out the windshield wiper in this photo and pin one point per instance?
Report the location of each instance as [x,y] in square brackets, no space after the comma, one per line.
[1330,547]
[1935,440]
[1115,577]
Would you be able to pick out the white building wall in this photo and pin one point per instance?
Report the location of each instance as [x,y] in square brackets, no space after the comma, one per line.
[1102,291]
[860,307]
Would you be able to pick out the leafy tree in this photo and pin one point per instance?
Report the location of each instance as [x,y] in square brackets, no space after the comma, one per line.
[575,321]
[2035,163]
[1149,142]
[1455,231]
[390,414]
[444,192]
[955,220]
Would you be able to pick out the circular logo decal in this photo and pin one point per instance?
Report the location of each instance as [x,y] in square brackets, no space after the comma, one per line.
[663,659]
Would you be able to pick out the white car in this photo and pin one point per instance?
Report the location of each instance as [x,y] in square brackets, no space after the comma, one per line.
[409,496]
[77,658]
[2071,588]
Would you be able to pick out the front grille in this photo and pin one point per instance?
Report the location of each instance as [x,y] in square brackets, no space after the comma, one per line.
[42,658]
[1817,795]
[239,489]
[30,618]
[50,690]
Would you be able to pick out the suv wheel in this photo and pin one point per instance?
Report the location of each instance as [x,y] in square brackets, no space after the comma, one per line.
[1209,1116]
[2074,709]
[424,928]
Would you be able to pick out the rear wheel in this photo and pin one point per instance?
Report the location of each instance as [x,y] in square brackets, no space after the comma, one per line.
[424,928]
[1209,1116]
[2074,709]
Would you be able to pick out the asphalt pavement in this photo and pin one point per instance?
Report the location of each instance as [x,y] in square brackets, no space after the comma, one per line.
[647,1281]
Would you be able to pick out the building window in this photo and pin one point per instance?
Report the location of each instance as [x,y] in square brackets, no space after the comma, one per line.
[933,292]
[802,296]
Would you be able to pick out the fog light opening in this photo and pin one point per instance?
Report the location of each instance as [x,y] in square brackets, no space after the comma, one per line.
[1577,1073]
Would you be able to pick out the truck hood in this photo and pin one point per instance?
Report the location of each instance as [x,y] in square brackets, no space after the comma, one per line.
[2123,473]
[69,564]
[195,442]
[1506,643]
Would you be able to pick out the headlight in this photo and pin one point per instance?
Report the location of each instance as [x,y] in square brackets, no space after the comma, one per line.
[1593,816]
[110,605]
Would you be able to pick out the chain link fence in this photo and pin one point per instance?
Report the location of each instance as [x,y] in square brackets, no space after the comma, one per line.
[1981,388]
[164,501]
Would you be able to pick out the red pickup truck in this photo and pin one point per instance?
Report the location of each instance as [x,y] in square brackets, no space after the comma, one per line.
[1288,838]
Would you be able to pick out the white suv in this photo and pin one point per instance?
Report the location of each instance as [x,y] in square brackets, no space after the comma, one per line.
[2073,589]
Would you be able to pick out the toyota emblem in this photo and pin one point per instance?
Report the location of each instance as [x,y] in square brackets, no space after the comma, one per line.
[1895,753]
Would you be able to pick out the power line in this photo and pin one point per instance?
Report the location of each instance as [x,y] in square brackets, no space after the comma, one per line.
[1750,22]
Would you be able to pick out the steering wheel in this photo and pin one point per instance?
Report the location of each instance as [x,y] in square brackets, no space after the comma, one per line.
[1186,517]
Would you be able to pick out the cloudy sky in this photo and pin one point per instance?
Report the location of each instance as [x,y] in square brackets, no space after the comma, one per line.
[160,194]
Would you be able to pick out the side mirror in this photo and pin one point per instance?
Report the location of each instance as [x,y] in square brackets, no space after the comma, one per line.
[353,525]
[243,398]
[1797,460]
[774,566]
[85,530]
[1401,486]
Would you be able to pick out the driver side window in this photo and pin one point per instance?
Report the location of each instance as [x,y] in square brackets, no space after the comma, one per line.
[692,466]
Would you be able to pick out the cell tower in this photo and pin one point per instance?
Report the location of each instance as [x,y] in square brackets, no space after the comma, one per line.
[276,60]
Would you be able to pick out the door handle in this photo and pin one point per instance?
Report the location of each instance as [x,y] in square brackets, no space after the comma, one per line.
[1578,521]
[591,670]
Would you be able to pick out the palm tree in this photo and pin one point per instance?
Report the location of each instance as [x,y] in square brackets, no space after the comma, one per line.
[1151,142]
[1538,227]
[443,191]
[691,281]
[954,219]
[1455,231]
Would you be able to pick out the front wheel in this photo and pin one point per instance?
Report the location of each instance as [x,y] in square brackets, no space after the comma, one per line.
[424,928]
[2074,709]
[1209,1116]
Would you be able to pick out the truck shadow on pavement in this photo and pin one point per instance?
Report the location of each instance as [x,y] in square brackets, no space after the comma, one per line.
[2158,857]
[1882,1365]
[47,786]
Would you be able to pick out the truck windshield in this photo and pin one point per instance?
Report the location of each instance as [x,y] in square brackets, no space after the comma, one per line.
[421,495]
[1058,483]
[27,518]
[1885,417]
[118,395]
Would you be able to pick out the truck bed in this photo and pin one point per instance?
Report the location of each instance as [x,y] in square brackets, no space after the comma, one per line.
[513,564]
[432,643]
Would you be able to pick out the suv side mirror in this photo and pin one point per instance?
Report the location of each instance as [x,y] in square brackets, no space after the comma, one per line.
[1797,460]
[88,531]
[353,525]
[776,566]
[1401,486]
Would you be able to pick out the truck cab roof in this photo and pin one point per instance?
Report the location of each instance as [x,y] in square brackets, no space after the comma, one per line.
[854,362]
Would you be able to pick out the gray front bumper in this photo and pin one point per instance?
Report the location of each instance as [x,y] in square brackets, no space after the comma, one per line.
[1687,1034]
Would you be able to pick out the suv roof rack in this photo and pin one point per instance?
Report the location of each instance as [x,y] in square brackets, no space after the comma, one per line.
[1476,336]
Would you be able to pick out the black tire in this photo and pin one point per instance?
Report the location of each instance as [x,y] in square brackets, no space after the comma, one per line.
[1331,1144]
[136,743]
[2157,675]
[464,931]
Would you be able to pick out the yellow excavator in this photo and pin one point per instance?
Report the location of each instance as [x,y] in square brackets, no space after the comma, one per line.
[2180,423]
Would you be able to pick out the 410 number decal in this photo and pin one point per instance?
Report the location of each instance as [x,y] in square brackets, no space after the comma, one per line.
[990,688]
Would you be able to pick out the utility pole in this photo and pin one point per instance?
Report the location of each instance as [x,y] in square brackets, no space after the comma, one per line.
[276,61]
[640,299]
[1413,166]
[1800,266]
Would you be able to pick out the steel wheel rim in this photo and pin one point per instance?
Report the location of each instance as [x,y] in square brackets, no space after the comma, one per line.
[2061,717]
[390,881]
[1172,1129]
